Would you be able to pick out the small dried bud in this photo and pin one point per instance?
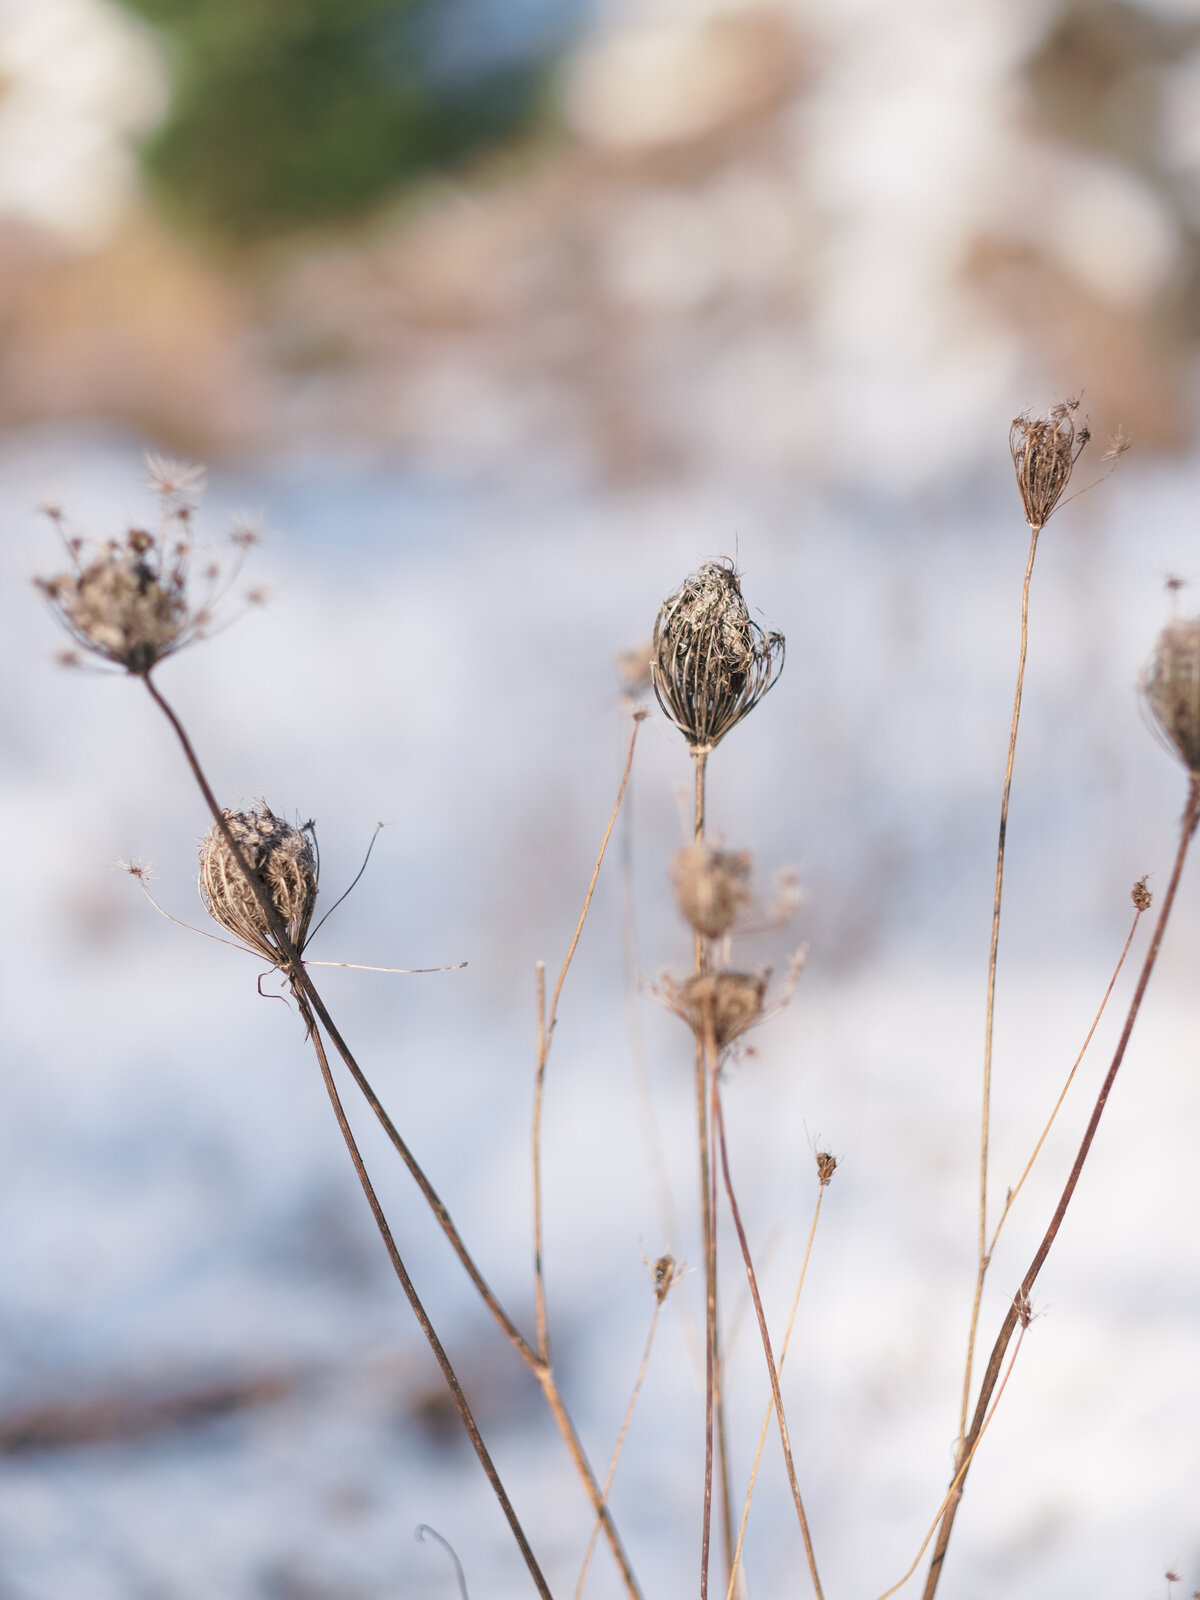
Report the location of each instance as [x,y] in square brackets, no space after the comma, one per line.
[1171,689]
[711,663]
[1140,895]
[1044,451]
[286,863]
[826,1167]
[721,1006]
[665,1274]
[711,886]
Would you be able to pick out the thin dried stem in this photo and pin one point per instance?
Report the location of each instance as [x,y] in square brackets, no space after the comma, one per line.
[956,1484]
[985,1128]
[1037,1149]
[414,1300]
[296,972]
[992,1372]
[752,1279]
[766,1423]
[620,1445]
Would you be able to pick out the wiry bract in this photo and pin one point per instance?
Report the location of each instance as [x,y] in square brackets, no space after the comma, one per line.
[1044,451]
[1171,687]
[286,861]
[711,663]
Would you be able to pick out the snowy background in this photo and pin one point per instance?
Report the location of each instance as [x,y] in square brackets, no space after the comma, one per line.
[825,395]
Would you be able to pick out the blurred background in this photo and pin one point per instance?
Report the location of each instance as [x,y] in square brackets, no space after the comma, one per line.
[502,316]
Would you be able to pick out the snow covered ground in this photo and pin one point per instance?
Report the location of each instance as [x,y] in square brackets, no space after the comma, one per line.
[175,1204]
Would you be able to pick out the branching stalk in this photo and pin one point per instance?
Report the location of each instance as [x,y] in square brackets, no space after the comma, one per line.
[992,1372]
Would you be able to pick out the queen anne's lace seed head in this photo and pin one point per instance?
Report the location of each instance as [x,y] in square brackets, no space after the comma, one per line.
[286,861]
[1044,452]
[711,663]
[1171,689]
[711,886]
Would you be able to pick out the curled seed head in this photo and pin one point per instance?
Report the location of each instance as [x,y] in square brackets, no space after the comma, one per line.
[711,886]
[286,862]
[711,663]
[1141,896]
[1171,689]
[1044,451]
[722,1005]
[826,1167]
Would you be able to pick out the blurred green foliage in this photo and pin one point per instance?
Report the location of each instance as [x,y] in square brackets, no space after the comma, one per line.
[287,113]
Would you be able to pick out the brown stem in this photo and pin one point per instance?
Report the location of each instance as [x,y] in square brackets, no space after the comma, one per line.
[752,1279]
[991,1374]
[982,1264]
[414,1300]
[302,982]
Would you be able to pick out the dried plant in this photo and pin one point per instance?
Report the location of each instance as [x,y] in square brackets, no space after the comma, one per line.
[711,886]
[712,663]
[720,1006]
[133,601]
[1171,689]
[285,859]
[1044,452]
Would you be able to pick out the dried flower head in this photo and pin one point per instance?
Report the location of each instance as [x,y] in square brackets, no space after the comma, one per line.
[1171,689]
[1044,452]
[286,861]
[711,663]
[132,601]
[826,1167]
[1141,896]
[711,886]
[720,1006]
[633,670]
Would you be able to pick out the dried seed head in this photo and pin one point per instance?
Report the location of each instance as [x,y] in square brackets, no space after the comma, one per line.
[1044,451]
[128,604]
[826,1167]
[665,1275]
[633,670]
[1140,895]
[286,861]
[720,1006]
[711,664]
[133,601]
[1171,689]
[711,886]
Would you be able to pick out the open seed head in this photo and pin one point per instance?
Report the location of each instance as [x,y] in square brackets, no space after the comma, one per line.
[1044,452]
[718,1006]
[711,663]
[1171,690]
[286,862]
[711,886]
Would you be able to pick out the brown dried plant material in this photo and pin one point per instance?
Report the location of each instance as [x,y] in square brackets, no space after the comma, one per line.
[666,1275]
[711,886]
[1171,689]
[1044,452]
[720,1006]
[1141,896]
[287,862]
[712,664]
[133,601]
[826,1167]
[633,670]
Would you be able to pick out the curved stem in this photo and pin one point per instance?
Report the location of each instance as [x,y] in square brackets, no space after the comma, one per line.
[414,1300]
[985,1128]
[992,1372]
[302,982]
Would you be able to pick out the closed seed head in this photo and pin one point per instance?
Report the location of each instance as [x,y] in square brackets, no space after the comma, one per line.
[711,886]
[1171,689]
[711,663]
[1044,452]
[286,862]
[826,1167]
[1141,896]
